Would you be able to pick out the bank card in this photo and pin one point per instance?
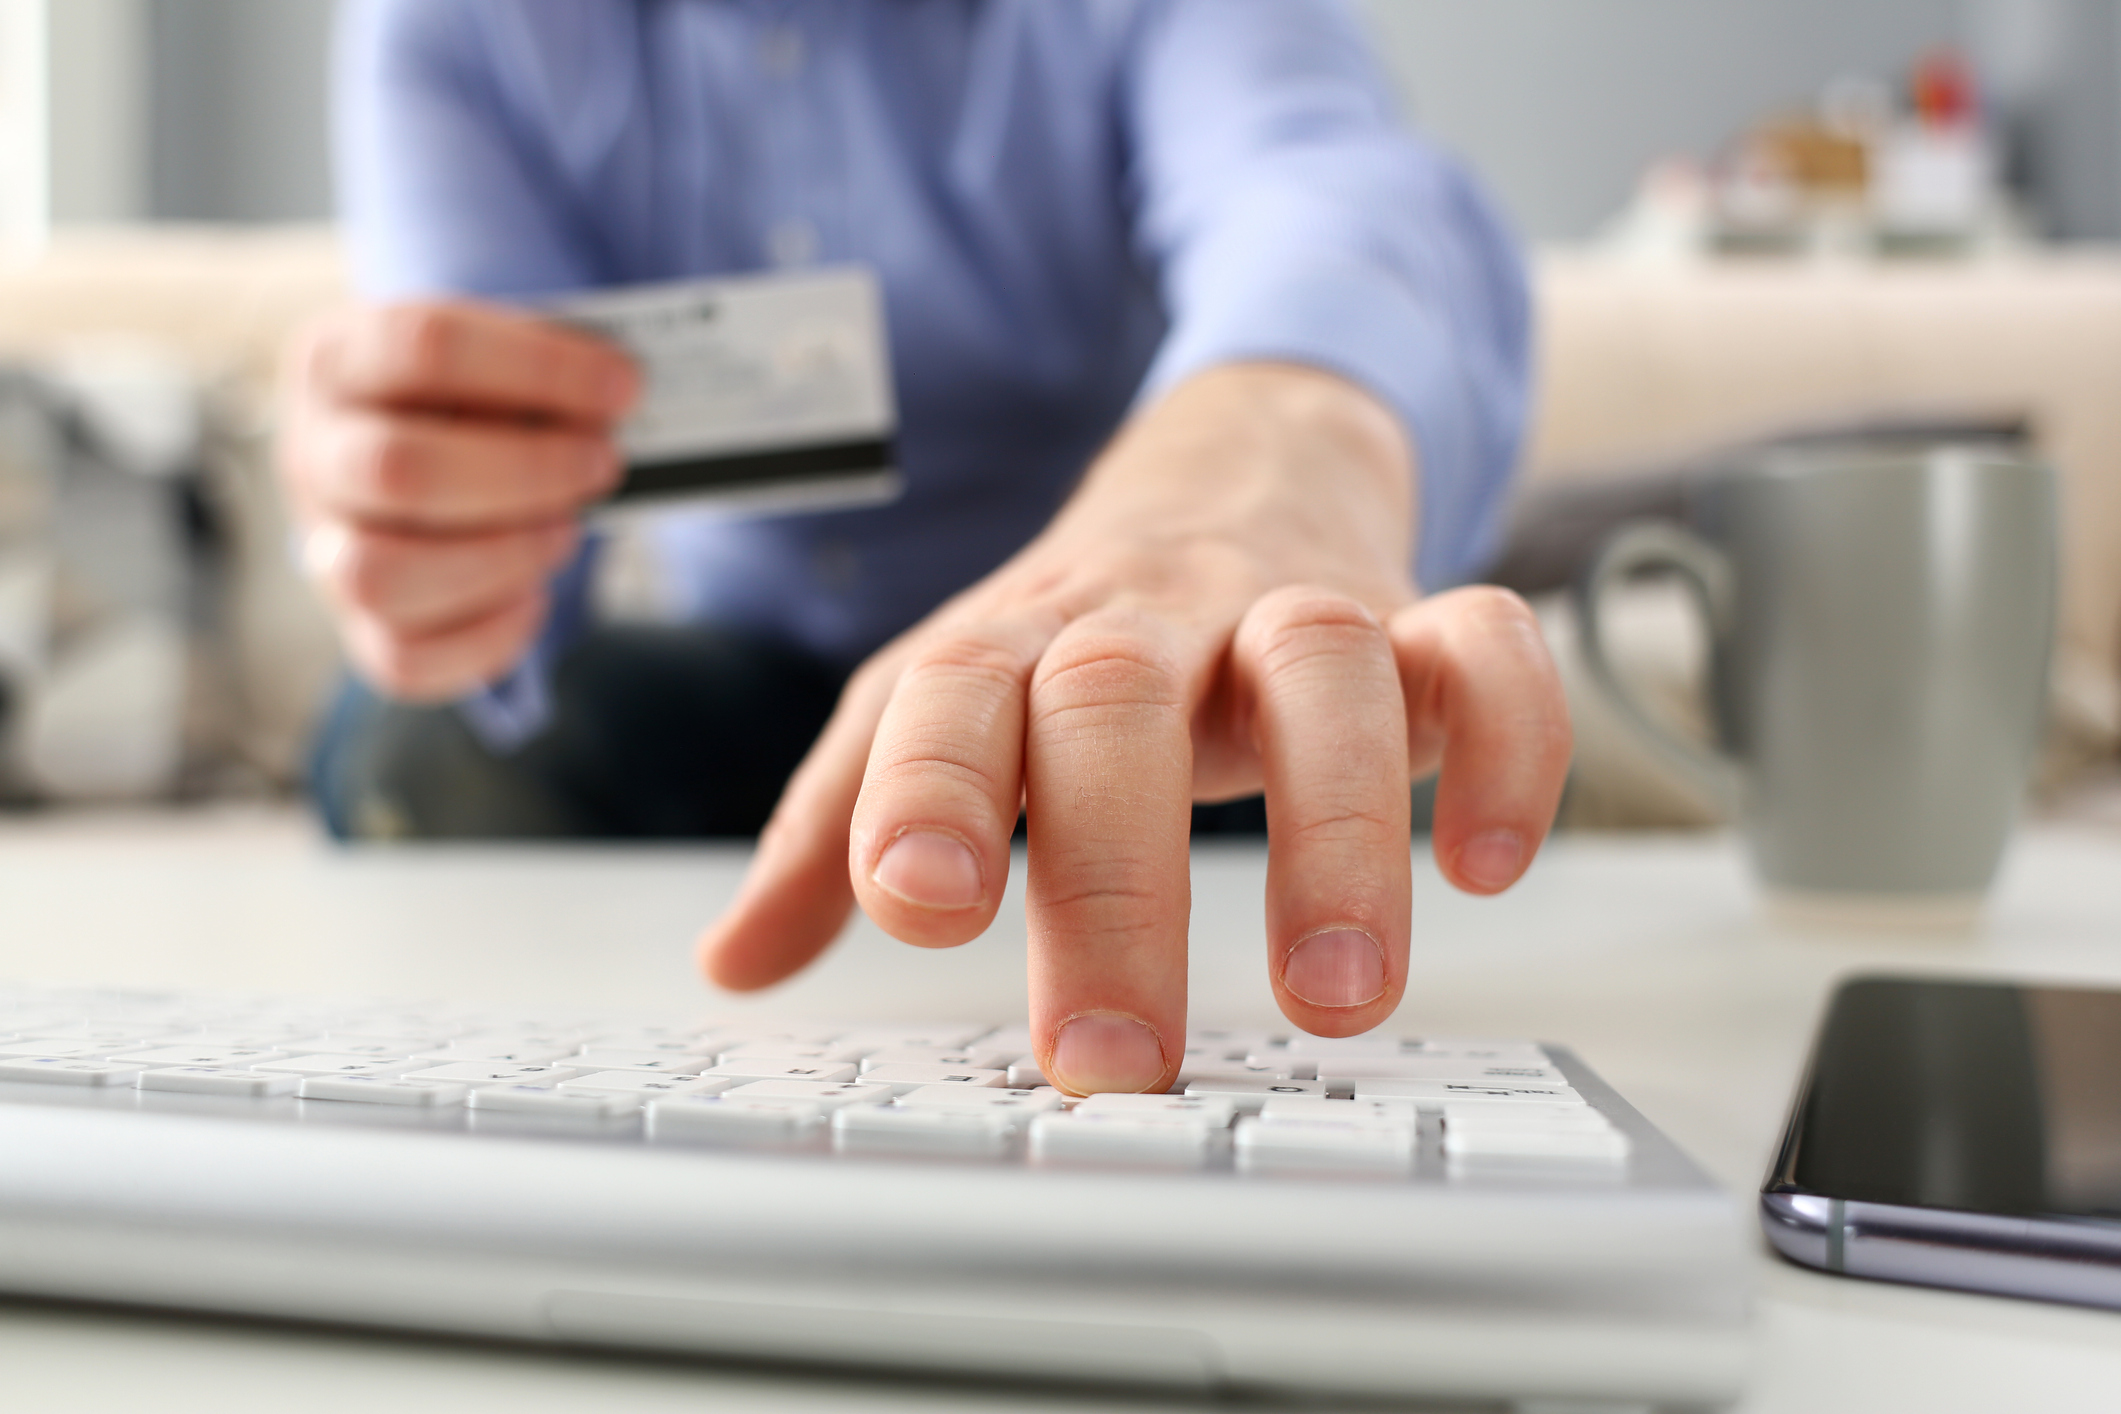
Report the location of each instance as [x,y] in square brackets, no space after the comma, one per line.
[759,392]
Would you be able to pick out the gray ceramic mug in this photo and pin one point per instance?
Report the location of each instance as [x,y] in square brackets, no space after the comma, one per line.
[1880,620]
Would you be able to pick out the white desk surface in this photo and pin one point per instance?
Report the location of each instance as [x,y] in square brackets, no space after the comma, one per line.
[1648,954]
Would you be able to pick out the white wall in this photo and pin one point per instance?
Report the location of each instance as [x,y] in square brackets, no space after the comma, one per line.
[1559,103]
[73,117]
[25,189]
[239,104]
[98,97]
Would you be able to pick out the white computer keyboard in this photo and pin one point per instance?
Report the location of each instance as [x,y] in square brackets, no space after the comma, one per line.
[1435,1218]
[1252,1101]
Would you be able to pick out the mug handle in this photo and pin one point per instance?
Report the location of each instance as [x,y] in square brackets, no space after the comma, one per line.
[1661,545]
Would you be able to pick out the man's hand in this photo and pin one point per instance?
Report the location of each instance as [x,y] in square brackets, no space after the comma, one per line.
[1224,606]
[438,457]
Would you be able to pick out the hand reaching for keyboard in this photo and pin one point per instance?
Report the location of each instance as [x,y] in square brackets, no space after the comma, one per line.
[1223,607]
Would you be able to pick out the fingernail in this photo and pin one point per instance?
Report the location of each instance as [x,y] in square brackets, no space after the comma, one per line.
[1107,1052]
[1336,969]
[1492,860]
[930,870]
[621,386]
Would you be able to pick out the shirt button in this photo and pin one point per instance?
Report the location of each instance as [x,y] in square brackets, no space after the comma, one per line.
[791,243]
[782,51]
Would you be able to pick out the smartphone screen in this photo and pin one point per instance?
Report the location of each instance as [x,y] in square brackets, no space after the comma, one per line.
[1978,1097]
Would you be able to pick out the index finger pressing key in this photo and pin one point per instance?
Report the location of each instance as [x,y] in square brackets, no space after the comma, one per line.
[1108,783]
[1331,726]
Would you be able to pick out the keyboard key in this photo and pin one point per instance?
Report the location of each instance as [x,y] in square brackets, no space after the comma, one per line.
[1016,1040]
[1467,1116]
[1392,1111]
[676,1040]
[499,1052]
[481,1072]
[808,1033]
[1114,1137]
[1347,1047]
[373,1047]
[335,1065]
[553,1100]
[231,1058]
[745,1121]
[1361,1144]
[804,1052]
[1020,1103]
[830,1097]
[1499,1052]
[383,1090]
[1248,1094]
[1191,1070]
[898,1129]
[206,1080]
[1560,1142]
[663,1062]
[1205,1111]
[817,1072]
[245,1039]
[56,1048]
[1436,1068]
[1435,1094]
[115,1036]
[1024,1074]
[69,1070]
[961,1058]
[944,1034]
[647,1084]
[902,1078]
[1234,1045]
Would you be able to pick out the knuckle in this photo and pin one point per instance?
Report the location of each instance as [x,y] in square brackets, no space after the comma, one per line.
[421,339]
[1495,609]
[366,571]
[936,769]
[390,464]
[1348,825]
[978,659]
[1107,667]
[1300,623]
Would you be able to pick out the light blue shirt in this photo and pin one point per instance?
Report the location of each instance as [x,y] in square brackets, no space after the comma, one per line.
[1071,205]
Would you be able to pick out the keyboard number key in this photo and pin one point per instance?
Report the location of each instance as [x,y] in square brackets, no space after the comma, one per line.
[901,1129]
[383,1090]
[207,1080]
[68,1070]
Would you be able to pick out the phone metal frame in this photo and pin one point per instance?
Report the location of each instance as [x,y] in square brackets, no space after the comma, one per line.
[2044,1257]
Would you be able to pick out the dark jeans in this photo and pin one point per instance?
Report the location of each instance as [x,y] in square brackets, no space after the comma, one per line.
[657,733]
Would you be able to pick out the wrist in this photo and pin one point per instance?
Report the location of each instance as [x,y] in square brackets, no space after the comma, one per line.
[1285,457]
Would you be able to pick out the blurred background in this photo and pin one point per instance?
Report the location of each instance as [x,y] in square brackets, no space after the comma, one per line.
[1752,217]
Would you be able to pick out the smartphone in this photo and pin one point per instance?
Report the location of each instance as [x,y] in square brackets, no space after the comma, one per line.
[1958,1133]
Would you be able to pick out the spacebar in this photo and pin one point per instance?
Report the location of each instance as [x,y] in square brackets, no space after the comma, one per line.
[858,1336]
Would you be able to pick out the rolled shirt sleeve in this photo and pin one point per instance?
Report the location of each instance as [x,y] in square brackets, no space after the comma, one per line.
[1292,216]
